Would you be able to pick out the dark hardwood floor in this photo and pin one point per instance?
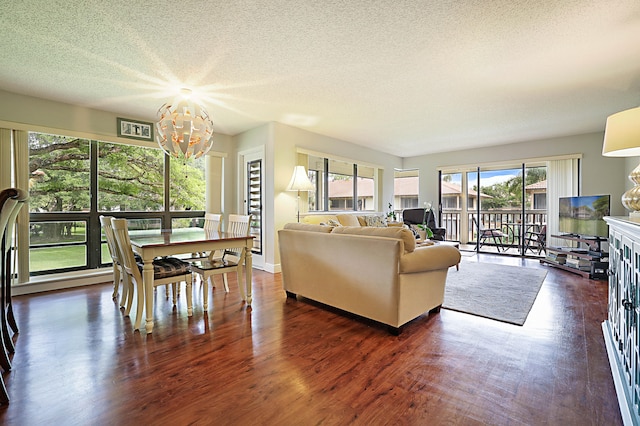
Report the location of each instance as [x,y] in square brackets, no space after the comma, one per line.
[288,362]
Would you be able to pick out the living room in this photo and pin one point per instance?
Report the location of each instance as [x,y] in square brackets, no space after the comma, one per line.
[514,368]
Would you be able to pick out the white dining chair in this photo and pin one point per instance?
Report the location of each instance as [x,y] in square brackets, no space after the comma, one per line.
[232,260]
[212,223]
[166,270]
[119,274]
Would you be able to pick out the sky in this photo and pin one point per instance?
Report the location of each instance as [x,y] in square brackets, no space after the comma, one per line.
[488,178]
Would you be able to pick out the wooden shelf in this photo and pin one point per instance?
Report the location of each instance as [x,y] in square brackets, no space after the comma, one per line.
[586,274]
[593,243]
[593,255]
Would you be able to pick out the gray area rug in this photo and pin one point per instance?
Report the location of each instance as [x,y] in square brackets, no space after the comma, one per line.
[499,292]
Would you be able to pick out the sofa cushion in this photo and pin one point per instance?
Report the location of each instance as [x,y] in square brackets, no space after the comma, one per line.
[400,233]
[308,227]
[348,220]
[165,267]
[317,219]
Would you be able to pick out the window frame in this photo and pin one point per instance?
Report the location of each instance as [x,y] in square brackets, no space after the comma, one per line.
[94,241]
[320,177]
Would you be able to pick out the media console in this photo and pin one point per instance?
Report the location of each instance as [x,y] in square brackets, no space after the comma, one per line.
[620,329]
[589,262]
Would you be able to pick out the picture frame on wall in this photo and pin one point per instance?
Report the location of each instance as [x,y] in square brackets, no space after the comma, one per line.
[134,129]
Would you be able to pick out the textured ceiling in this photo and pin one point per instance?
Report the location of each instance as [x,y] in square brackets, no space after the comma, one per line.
[403,77]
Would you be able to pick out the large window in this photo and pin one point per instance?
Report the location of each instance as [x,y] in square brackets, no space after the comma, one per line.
[405,189]
[73,181]
[341,185]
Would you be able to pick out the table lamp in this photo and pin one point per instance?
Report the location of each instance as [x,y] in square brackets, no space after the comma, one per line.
[622,139]
[300,182]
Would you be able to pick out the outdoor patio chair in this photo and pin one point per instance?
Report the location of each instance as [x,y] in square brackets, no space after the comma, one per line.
[485,234]
[536,240]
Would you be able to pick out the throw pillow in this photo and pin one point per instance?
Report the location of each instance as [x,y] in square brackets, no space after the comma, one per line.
[332,222]
[348,220]
[415,232]
[375,221]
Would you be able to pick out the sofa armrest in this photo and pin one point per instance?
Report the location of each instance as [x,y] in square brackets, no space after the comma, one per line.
[429,258]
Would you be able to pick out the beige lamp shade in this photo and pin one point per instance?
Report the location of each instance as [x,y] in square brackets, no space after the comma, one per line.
[622,134]
[300,180]
[622,139]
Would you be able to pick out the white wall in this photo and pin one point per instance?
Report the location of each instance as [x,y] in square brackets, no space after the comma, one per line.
[281,143]
[600,175]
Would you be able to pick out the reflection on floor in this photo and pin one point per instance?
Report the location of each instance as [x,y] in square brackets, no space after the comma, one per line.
[492,249]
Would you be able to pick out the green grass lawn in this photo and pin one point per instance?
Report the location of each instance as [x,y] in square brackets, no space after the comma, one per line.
[44,259]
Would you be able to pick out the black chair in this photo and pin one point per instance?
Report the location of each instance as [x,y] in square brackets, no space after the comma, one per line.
[536,240]
[419,216]
[494,234]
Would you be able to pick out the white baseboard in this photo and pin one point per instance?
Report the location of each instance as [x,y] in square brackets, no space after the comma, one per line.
[41,283]
[272,268]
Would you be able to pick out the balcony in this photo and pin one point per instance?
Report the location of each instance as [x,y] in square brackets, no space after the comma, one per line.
[513,224]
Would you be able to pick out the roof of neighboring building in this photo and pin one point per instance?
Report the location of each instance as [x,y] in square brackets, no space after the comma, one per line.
[537,185]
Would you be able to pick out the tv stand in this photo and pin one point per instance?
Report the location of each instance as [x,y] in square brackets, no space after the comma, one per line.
[592,259]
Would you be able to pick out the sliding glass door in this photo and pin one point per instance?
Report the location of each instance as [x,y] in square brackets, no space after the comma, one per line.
[495,209]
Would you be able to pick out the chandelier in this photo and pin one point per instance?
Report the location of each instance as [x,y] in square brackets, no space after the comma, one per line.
[184,127]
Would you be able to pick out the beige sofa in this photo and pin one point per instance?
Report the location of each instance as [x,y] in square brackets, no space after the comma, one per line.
[341,219]
[376,273]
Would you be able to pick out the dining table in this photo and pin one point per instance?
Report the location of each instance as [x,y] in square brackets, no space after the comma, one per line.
[170,242]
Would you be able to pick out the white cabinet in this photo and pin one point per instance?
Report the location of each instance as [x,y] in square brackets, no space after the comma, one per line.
[621,326]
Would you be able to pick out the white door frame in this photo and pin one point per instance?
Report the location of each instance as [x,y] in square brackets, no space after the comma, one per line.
[243,158]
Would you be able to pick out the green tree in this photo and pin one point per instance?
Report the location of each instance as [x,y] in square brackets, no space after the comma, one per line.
[508,194]
[601,207]
[130,178]
[59,173]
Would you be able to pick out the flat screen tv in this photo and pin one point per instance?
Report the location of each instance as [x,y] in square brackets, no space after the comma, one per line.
[583,216]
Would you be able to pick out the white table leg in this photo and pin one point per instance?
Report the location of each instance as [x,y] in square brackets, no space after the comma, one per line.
[140,305]
[248,268]
[147,279]
[189,296]
[242,285]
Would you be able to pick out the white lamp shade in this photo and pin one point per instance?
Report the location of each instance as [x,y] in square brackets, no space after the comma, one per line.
[300,180]
[622,134]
